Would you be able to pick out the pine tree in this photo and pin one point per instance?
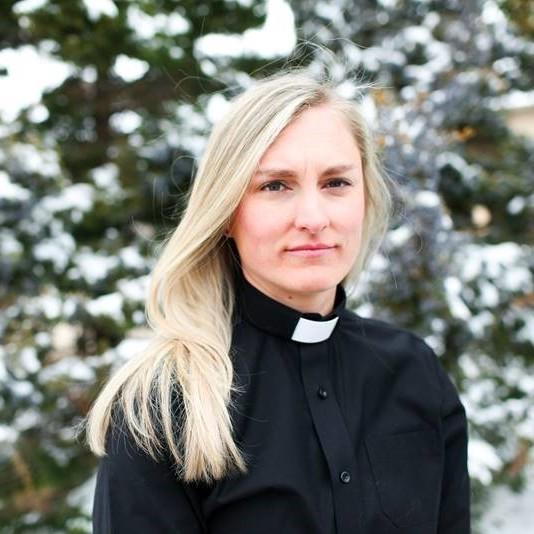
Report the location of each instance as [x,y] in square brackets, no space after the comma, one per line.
[90,178]
[457,265]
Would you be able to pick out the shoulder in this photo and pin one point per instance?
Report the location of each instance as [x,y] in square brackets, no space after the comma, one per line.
[395,348]
[400,357]
[384,335]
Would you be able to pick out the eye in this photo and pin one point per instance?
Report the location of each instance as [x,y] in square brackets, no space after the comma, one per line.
[339,181]
[274,183]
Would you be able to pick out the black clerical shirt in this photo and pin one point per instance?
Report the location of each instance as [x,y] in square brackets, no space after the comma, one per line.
[350,426]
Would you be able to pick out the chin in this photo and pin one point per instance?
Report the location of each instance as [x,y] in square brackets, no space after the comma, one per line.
[307,283]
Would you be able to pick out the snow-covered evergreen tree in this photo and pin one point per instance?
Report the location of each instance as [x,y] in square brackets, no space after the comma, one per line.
[457,266]
[91,176]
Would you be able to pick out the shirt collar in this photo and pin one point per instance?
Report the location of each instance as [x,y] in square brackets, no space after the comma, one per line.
[281,320]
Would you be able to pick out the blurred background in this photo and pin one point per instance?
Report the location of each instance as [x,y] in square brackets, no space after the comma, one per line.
[105,106]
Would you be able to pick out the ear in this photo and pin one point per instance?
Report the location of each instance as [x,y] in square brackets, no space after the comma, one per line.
[228,228]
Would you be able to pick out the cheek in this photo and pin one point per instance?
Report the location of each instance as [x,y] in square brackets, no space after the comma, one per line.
[255,227]
[351,218]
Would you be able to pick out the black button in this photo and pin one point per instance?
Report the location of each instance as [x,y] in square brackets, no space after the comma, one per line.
[344,476]
[322,393]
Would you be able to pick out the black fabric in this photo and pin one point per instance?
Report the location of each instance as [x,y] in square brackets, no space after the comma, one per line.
[361,433]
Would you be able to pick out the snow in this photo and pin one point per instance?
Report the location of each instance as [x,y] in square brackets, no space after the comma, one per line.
[526,333]
[50,306]
[489,295]
[146,26]
[131,258]
[479,392]
[3,369]
[106,178]
[82,496]
[138,317]
[57,250]
[38,113]
[125,122]
[470,369]
[478,323]
[525,429]
[129,68]
[88,74]
[43,339]
[516,205]
[134,290]
[26,419]
[330,11]
[30,73]
[71,367]
[125,350]
[7,434]
[492,14]
[453,290]
[373,57]
[428,199]
[92,266]
[367,104]
[43,162]
[277,37]
[216,107]
[10,247]
[435,343]
[400,235]
[74,197]
[469,173]
[513,99]
[509,512]
[193,134]
[11,191]
[28,360]
[109,305]
[483,459]
[507,65]
[98,8]
[27,6]
[505,263]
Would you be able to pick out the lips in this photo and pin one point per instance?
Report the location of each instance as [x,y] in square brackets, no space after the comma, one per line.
[319,246]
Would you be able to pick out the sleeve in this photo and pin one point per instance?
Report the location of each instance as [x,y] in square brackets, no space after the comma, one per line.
[454,513]
[134,494]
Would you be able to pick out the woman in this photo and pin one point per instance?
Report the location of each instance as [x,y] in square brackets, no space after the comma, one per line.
[263,404]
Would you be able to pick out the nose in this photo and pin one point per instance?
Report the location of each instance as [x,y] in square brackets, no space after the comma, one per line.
[310,212]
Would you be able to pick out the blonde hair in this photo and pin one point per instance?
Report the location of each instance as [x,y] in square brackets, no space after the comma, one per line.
[191,299]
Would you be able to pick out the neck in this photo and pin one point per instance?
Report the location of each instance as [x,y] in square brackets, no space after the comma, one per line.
[321,302]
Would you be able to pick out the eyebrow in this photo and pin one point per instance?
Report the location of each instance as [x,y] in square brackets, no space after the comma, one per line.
[288,173]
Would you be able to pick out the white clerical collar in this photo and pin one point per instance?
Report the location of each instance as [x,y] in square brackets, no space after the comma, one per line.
[276,318]
[309,331]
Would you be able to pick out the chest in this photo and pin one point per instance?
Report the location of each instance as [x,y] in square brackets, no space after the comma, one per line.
[332,431]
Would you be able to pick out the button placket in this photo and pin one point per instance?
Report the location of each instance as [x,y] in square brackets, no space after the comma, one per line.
[333,436]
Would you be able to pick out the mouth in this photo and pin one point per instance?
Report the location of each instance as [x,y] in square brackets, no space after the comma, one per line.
[311,251]
[319,246]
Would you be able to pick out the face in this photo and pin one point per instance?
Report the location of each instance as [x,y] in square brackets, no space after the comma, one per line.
[308,192]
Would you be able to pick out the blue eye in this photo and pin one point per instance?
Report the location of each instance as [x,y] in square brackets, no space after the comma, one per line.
[340,180]
[269,184]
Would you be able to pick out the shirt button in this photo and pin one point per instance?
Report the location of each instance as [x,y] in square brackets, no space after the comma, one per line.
[322,393]
[344,476]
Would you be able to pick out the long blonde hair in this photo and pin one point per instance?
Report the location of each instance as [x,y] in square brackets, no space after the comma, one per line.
[191,297]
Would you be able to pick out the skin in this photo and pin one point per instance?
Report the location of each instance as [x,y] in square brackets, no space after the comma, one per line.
[300,207]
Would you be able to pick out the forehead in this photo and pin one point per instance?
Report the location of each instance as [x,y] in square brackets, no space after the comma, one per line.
[319,137]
